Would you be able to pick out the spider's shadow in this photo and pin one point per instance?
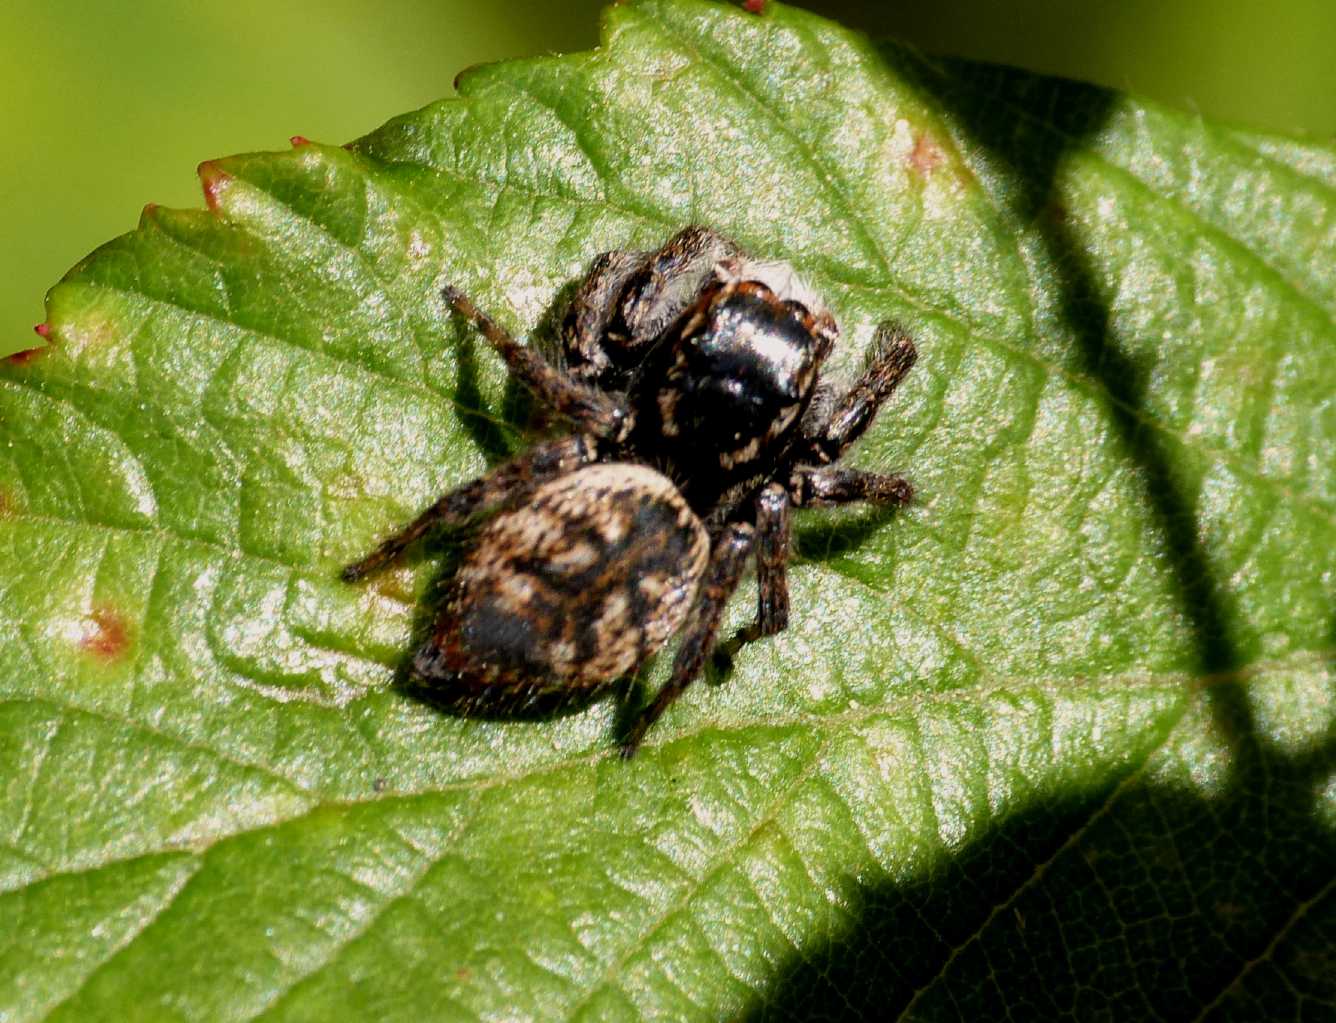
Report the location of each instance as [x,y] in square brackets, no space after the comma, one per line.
[836,537]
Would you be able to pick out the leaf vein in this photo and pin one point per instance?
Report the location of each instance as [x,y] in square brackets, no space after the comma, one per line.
[837,190]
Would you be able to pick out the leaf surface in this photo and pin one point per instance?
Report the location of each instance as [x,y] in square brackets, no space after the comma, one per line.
[1057,739]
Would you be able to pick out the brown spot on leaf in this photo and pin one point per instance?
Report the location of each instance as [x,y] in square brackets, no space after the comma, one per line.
[214,181]
[107,635]
[754,6]
[299,140]
[926,155]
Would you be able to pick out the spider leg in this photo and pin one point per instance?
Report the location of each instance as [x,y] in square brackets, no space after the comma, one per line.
[586,406]
[543,462]
[691,245]
[590,353]
[670,280]
[829,485]
[893,355]
[772,558]
[727,561]
[630,298]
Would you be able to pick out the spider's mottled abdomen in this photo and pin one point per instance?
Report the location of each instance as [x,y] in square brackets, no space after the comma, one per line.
[574,589]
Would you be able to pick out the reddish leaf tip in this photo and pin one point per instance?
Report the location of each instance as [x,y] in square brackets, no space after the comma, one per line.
[754,6]
[42,330]
[214,180]
[108,636]
[27,355]
[299,140]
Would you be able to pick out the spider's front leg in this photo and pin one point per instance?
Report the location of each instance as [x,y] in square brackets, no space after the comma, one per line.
[591,353]
[830,485]
[504,483]
[727,561]
[585,406]
[630,298]
[893,355]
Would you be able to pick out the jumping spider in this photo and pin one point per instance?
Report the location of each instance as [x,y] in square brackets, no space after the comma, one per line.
[692,378]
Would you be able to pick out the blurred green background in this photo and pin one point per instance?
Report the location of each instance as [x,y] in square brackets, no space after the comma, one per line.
[108,106]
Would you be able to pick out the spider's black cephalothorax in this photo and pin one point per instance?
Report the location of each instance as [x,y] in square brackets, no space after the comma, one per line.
[691,377]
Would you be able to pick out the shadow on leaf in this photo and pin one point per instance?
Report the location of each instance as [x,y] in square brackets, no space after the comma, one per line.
[1128,915]
[1148,901]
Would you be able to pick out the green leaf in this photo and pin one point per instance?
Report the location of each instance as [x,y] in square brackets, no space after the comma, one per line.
[1057,740]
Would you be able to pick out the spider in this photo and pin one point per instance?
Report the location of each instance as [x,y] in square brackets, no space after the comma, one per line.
[692,378]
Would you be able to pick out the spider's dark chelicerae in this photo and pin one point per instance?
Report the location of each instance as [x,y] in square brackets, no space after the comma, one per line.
[693,379]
